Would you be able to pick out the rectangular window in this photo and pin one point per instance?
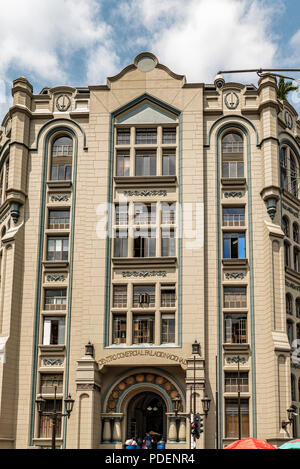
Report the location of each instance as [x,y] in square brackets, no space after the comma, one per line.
[123,136]
[119,329]
[168,328]
[169,135]
[168,295]
[46,422]
[48,383]
[232,418]
[55,299]
[54,331]
[235,297]
[57,249]
[144,243]
[123,163]
[235,328]
[234,246]
[145,214]
[143,329]
[233,169]
[233,216]
[146,136]
[168,213]
[169,162]
[61,172]
[145,163]
[168,242]
[121,243]
[143,296]
[121,214]
[235,381]
[120,296]
[59,219]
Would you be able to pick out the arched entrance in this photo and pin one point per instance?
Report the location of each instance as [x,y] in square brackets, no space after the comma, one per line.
[146,413]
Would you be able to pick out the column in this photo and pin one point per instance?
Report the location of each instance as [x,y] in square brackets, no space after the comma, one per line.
[182,430]
[117,435]
[106,430]
[172,433]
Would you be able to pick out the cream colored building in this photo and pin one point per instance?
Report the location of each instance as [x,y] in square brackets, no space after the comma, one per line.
[141,216]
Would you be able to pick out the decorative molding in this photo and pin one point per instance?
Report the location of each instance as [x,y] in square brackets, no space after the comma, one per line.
[236,359]
[52,362]
[289,209]
[4,217]
[145,273]
[292,285]
[146,192]
[233,194]
[56,278]
[234,275]
[288,120]
[87,387]
[234,100]
[272,207]
[60,198]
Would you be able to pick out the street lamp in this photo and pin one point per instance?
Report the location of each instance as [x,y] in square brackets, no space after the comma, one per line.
[291,411]
[206,405]
[54,414]
[176,404]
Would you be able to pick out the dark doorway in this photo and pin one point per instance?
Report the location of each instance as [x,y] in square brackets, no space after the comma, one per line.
[146,413]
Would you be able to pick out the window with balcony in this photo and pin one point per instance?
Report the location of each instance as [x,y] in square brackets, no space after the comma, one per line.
[233,216]
[143,329]
[143,296]
[169,162]
[145,136]
[123,136]
[121,243]
[144,244]
[168,242]
[232,418]
[235,381]
[168,295]
[59,219]
[234,246]
[232,156]
[123,163]
[145,163]
[167,328]
[119,329]
[235,327]
[45,427]
[119,296]
[57,248]
[55,299]
[169,135]
[54,331]
[61,159]
[235,297]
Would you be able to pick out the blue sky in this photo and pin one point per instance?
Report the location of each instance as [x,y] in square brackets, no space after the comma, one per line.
[81,42]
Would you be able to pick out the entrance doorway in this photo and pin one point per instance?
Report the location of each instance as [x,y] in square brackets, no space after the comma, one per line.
[146,413]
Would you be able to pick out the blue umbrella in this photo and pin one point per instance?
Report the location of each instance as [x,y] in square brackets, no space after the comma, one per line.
[293,444]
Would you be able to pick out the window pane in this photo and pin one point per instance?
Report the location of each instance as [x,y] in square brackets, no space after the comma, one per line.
[119,329]
[123,136]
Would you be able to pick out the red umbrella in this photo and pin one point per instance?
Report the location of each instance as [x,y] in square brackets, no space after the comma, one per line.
[250,443]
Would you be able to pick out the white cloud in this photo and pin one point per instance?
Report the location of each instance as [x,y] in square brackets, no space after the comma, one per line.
[39,37]
[199,37]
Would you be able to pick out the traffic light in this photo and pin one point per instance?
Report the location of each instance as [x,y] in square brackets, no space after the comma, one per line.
[198,422]
[193,427]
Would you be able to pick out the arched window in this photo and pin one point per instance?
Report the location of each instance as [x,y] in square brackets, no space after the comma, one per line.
[232,156]
[285,226]
[61,159]
[286,254]
[293,388]
[296,259]
[289,170]
[289,304]
[296,232]
[298,307]
[290,331]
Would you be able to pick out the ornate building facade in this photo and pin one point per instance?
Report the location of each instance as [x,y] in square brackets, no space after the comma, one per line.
[138,217]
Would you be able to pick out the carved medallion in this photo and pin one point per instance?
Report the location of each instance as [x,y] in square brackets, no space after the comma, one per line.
[231,100]
[63,102]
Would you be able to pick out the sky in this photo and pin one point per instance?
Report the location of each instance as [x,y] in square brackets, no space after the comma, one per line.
[82,42]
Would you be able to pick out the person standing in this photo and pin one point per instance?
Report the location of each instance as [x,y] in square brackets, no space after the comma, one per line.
[148,440]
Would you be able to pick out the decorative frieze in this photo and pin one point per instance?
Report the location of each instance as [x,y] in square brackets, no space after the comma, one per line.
[233,194]
[60,198]
[236,360]
[56,278]
[144,273]
[292,285]
[146,192]
[52,362]
[234,275]
[88,387]
[289,209]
